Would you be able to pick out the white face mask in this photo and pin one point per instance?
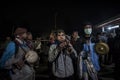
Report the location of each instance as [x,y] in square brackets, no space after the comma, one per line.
[88,30]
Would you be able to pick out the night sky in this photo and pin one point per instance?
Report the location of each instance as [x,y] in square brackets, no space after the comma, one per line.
[39,17]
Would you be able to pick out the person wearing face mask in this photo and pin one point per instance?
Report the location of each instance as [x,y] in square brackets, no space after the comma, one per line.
[88,58]
[88,30]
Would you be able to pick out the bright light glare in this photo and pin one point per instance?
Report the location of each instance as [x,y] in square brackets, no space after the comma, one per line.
[113,27]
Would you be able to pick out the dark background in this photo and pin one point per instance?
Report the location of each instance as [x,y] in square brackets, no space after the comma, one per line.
[39,17]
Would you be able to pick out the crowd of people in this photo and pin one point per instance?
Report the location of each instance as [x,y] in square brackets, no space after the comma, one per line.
[69,57]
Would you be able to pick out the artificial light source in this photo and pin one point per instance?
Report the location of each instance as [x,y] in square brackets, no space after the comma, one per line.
[113,27]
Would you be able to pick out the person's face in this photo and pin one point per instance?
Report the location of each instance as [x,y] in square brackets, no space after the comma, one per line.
[24,35]
[61,37]
[29,36]
[52,36]
[88,29]
[8,38]
[75,34]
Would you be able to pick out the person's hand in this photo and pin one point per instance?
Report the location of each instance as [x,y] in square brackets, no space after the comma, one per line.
[62,45]
[20,64]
